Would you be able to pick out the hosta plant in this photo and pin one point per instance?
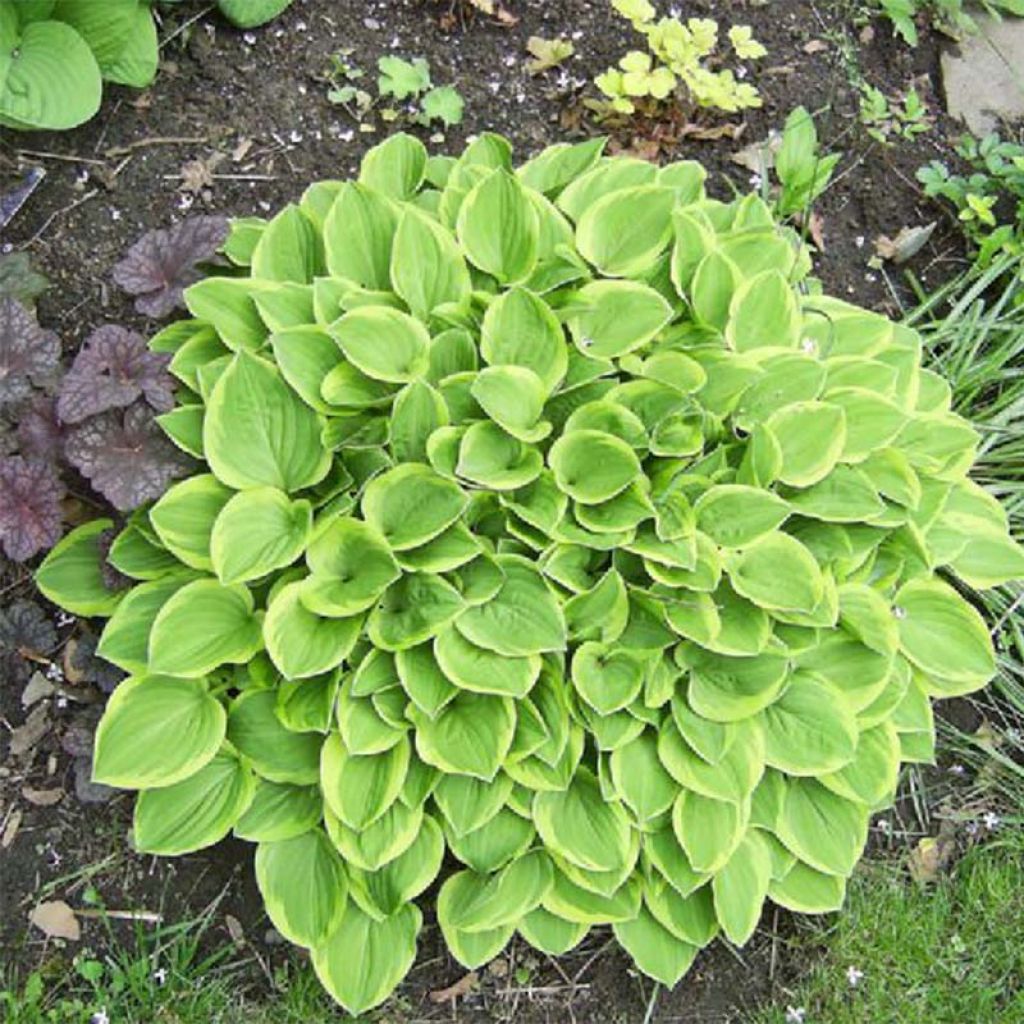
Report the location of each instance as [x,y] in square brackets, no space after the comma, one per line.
[548,517]
[55,55]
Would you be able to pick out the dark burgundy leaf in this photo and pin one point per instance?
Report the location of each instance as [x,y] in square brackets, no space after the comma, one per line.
[80,734]
[125,456]
[28,354]
[92,669]
[24,626]
[30,496]
[113,369]
[11,202]
[86,790]
[40,434]
[162,263]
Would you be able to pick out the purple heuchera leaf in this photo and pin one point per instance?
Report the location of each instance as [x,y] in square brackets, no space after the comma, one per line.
[125,456]
[113,369]
[28,354]
[40,435]
[162,263]
[30,496]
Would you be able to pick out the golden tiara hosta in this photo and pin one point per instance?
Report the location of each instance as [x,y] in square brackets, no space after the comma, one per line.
[550,517]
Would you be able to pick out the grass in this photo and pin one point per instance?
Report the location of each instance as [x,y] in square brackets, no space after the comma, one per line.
[949,954]
[164,976]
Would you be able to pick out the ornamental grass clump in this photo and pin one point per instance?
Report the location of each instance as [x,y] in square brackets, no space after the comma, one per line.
[550,518]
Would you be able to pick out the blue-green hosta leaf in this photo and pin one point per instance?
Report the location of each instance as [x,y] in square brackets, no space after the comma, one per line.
[157,731]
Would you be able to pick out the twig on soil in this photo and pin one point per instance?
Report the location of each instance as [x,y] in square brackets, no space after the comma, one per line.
[186,24]
[147,916]
[228,177]
[649,1015]
[155,140]
[539,990]
[583,970]
[59,213]
[71,158]
[773,959]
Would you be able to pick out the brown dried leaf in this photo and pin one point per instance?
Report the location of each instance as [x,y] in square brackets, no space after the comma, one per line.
[36,689]
[235,929]
[43,797]
[11,829]
[25,737]
[815,46]
[932,856]
[909,241]
[56,920]
[463,987]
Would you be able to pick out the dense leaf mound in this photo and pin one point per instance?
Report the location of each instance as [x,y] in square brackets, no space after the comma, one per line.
[551,518]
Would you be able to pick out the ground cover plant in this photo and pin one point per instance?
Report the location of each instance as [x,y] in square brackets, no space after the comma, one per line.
[868,965]
[953,16]
[55,55]
[551,517]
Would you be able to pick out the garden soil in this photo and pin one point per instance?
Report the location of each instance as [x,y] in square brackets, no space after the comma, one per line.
[239,123]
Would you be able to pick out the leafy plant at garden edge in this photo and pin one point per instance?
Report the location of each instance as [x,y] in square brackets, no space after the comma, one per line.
[55,55]
[676,65]
[552,517]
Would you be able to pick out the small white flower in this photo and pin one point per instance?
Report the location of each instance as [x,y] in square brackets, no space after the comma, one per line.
[957,769]
[300,26]
[756,181]
[884,825]
[54,673]
[160,975]
[115,214]
[795,1014]
[859,241]
[854,975]
[64,619]
[100,1016]
[249,38]
[991,820]
[62,702]
[295,136]
[185,201]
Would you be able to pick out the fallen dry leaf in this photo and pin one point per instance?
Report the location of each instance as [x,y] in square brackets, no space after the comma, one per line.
[235,929]
[907,243]
[56,920]
[932,856]
[36,689]
[241,151]
[42,797]
[815,46]
[816,229]
[466,984]
[197,174]
[25,737]
[11,829]
[72,672]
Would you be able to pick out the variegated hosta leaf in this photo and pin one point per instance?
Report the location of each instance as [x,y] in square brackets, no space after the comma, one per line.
[546,519]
